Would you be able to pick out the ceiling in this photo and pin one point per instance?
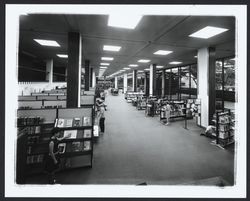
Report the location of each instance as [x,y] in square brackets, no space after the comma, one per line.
[151,34]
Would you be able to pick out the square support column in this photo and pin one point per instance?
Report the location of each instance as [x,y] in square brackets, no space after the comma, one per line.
[152,80]
[146,84]
[125,82]
[74,69]
[134,79]
[86,76]
[90,78]
[206,84]
[93,79]
[49,70]
[116,82]
[163,83]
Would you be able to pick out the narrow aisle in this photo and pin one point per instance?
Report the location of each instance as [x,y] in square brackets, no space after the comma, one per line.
[136,149]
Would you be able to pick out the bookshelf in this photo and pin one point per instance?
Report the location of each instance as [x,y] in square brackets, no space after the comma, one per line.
[34,128]
[224,122]
[178,109]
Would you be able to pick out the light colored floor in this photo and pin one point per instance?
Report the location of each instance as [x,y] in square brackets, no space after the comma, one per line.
[137,149]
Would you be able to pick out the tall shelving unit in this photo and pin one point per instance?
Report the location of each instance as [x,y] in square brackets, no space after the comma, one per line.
[224,125]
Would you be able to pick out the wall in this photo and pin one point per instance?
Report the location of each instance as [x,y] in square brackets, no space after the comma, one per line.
[26,88]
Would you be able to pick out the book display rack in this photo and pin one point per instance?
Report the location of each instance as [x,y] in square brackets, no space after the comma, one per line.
[34,134]
[178,109]
[224,122]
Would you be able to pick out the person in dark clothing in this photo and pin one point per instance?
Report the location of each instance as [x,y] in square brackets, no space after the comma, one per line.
[52,158]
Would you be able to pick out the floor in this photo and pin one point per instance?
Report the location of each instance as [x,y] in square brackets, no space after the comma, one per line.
[135,149]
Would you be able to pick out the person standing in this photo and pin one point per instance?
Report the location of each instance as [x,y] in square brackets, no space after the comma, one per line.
[167,113]
[52,159]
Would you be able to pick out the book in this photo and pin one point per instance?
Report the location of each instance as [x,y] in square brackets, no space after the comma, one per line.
[86,146]
[76,122]
[80,134]
[77,146]
[68,122]
[60,123]
[86,121]
[71,133]
[87,133]
[61,148]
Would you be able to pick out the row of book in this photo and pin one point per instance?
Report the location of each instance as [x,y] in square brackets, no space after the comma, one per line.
[74,147]
[76,134]
[22,121]
[35,159]
[75,122]
[39,129]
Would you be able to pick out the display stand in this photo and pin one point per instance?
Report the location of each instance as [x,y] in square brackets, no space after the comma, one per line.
[224,124]
[34,132]
[141,103]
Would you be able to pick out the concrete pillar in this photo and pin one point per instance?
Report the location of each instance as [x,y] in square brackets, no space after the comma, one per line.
[206,84]
[86,76]
[90,77]
[125,82]
[74,69]
[116,82]
[134,80]
[152,80]
[66,74]
[49,70]
[146,84]
[163,83]
[93,79]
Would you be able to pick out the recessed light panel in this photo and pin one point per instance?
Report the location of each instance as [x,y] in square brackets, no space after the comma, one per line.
[62,55]
[107,58]
[103,67]
[126,68]
[104,64]
[146,69]
[50,43]
[208,32]
[159,67]
[175,62]
[133,65]
[163,52]
[111,48]
[126,21]
[144,60]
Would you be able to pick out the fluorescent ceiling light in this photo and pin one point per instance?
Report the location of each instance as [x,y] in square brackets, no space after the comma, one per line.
[208,32]
[195,56]
[62,55]
[163,52]
[133,65]
[122,70]
[146,69]
[111,48]
[107,58]
[51,43]
[103,67]
[144,60]
[104,64]
[127,21]
[175,62]
[126,68]
[140,71]
[159,66]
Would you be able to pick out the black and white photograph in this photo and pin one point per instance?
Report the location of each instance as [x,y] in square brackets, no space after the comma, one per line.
[125,100]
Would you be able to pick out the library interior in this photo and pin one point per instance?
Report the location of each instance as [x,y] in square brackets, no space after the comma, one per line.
[131,100]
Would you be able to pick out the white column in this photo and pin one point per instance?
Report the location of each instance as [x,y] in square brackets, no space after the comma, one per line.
[49,70]
[125,83]
[152,81]
[80,72]
[116,82]
[202,76]
[93,79]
